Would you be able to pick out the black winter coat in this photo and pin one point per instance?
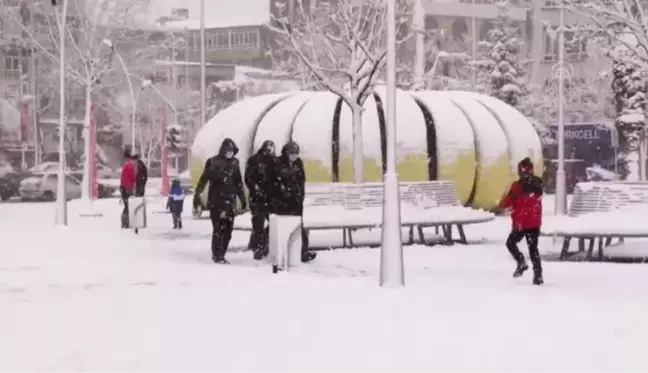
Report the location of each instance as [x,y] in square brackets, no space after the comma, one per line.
[289,186]
[258,172]
[141,178]
[224,177]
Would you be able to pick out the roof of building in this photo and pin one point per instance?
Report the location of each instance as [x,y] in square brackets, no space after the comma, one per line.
[218,13]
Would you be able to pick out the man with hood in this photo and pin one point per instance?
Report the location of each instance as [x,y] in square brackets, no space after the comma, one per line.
[127,185]
[289,189]
[142,176]
[223,174]
[259,185]
[525,201]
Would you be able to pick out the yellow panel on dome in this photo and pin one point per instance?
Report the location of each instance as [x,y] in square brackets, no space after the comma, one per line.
[493,160]
[413,167]
[372,169]
[455,153]
[461,170]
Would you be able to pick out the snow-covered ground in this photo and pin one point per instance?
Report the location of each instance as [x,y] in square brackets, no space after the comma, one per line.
[94,297]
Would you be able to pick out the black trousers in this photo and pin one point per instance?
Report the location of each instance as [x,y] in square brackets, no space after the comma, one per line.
[177,219]
[222,226]
[125,216]
[531,236]
[259,236]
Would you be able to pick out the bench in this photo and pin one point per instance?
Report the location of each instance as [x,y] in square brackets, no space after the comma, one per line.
[601,203]
[350,207]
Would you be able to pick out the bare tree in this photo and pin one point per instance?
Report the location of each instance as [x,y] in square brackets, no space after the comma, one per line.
[94,30]
[340,47]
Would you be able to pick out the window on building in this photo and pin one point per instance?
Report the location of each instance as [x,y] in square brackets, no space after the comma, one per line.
[12,67]
[244,38]
[575,45]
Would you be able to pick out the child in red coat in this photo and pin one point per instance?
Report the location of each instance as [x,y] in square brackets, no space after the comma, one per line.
[525,201]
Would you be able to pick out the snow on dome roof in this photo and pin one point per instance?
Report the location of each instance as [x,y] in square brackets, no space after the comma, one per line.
[440,135]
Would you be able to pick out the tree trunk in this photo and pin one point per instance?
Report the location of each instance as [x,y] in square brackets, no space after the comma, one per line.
[630,144]
[358,156]
[85,184]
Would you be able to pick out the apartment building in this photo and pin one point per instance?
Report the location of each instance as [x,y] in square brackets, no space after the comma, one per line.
[538,21]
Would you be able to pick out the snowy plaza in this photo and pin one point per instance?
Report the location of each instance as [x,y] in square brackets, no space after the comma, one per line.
[93,297]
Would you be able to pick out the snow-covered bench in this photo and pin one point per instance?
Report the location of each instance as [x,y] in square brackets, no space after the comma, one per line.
[350,207]
[600,212]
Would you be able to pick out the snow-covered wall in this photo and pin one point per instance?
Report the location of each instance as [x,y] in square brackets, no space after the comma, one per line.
[471,139]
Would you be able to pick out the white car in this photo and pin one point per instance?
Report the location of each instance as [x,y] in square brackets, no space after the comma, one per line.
[44,187]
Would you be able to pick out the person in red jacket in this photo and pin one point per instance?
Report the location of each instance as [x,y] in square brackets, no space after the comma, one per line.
[525,201]
[127,184]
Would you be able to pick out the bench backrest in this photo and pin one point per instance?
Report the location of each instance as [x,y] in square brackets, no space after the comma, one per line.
[358,196]
[605,196]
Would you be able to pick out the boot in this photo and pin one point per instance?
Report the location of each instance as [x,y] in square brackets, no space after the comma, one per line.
[218,260]
[258,255]
[308,256]
[179,223]
[520,269]
[537,279]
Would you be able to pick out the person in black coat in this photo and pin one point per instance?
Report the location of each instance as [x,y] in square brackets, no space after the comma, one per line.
[289,190]
[142,176]
[225,185]
[259,184]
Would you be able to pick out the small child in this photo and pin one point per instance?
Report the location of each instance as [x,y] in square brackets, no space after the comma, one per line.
[175,203]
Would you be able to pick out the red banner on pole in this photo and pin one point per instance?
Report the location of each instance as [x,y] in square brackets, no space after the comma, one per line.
[92,133]
[165,154]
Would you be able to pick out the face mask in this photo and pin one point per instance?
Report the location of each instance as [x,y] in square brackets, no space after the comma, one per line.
[229,154]
[293,157]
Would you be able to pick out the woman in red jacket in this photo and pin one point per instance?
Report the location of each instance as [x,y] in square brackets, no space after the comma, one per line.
[127,185]
[525,201]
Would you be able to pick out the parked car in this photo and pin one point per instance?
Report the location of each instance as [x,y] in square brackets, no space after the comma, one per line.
[44,187]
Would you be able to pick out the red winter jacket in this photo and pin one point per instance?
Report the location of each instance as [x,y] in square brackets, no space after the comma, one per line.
[525,198]
[128,175]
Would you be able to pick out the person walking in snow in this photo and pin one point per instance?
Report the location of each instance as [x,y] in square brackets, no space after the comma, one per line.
[175,203]
[525,201]
[289,190]
[142,176]
[127,185]
[259,185]
[223,174]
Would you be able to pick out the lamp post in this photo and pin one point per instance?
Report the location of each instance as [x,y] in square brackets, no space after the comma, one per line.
[391,253]
[130,89]
[61,200]
[561,182]
[203,73]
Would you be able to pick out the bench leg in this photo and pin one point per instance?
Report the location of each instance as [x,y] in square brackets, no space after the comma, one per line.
[350,233]
[447,233]
[600,248]
[565,248]
[608,241]
[590,249]
[421,235]
[462,234]
[581,245]
[411,235]
[344,238]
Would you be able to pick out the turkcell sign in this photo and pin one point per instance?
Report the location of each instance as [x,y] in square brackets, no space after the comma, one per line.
[588,142]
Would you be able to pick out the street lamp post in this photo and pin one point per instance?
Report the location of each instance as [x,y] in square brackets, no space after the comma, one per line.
[130,89]
[203,73]
[561,182]
[391,253]
[61,200]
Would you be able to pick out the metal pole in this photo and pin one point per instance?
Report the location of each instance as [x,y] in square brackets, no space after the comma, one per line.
[61,200]
[203,73]
[561,182]
[133,101]
[473,72]
[34,116]
[391,254]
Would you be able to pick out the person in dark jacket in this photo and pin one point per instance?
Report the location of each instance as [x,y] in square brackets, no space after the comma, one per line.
[127,185]
[225,184]
[525,201]
[142,176]
[259,185]
[289,190]
[175,203]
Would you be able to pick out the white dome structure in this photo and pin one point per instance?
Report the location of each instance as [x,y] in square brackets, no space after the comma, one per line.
[472,139]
